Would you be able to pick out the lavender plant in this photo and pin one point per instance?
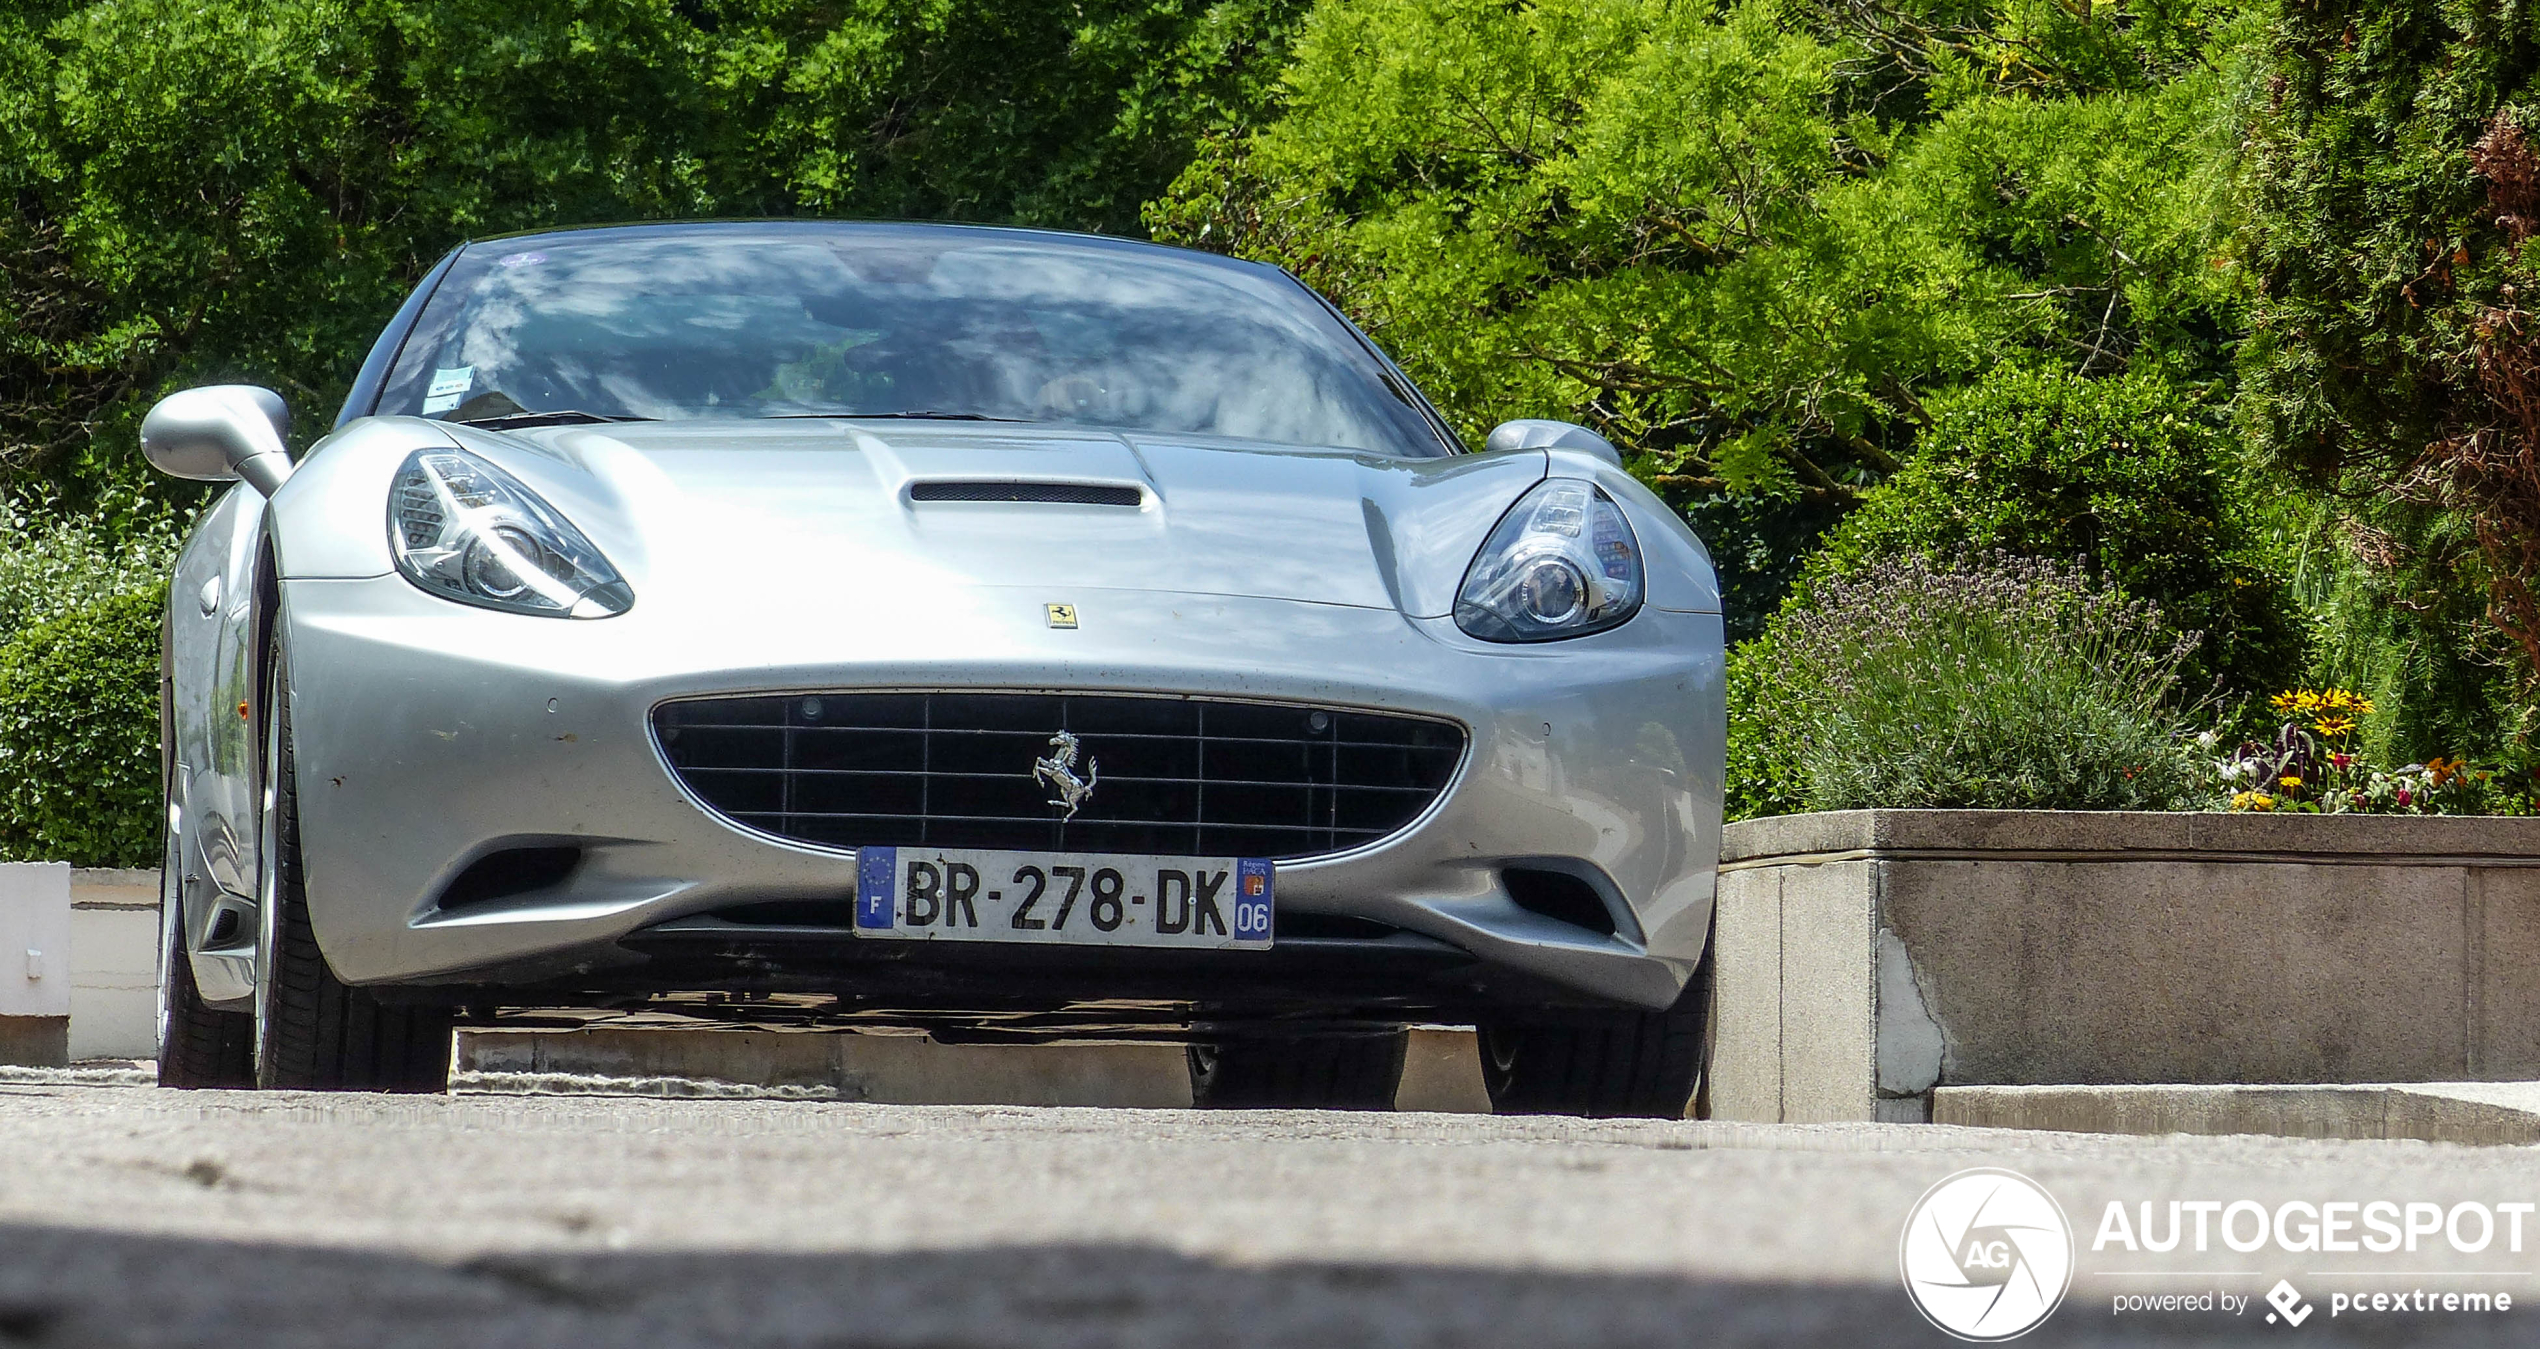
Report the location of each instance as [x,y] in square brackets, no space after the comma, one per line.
[1995,682]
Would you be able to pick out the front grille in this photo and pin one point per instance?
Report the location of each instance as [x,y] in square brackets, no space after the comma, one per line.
[955,770]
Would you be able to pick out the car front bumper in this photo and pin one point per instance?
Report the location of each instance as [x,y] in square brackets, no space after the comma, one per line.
[428,735]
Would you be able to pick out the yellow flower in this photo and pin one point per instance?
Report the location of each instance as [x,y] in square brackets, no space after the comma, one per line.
[2289,780]
[2334,726]
[2290,700]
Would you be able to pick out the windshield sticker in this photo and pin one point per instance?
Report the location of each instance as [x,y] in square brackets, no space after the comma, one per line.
[520,260]
[448,387]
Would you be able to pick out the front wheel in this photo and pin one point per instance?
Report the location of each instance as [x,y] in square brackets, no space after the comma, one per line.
[1338,1070]
[1604,1065]
[199,1046]
[312,1032]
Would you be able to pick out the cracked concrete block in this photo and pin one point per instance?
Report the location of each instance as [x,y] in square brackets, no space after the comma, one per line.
[1909,1040]
[1917,950]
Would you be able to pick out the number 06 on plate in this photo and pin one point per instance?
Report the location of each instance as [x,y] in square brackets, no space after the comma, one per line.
[1078,899]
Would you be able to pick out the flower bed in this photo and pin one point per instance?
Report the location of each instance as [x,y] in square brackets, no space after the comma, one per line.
[2309,765]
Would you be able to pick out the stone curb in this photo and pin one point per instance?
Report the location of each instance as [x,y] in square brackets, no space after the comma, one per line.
[2483,1113]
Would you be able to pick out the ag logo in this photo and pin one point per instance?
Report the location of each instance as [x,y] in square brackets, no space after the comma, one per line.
[1986,1254]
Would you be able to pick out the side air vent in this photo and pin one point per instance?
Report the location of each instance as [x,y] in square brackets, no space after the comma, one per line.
[838,913]
[512,871]
[1327,927]
[1061,493]
[1560,896]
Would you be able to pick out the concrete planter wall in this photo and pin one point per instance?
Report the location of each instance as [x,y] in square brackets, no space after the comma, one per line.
[35,962]
[114,964]
[1866,957]
[79,955]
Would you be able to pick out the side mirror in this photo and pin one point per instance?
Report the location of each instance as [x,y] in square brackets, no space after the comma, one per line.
[1535,433]
[220,432]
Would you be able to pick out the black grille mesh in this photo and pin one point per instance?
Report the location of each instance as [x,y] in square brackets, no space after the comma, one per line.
[955,770]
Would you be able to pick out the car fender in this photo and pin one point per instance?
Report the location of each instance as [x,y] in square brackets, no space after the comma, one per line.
[330,518]
[1681,577]
[213,639]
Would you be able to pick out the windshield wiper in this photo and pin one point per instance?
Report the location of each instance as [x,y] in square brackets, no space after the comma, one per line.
[560,417]
[921,416]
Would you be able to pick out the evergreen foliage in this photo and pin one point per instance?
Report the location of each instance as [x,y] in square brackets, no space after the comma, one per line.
[203,190]
[1746,240]
[2235,304]
[2131,476]
[2392,368]
[79,735]
[2128,478]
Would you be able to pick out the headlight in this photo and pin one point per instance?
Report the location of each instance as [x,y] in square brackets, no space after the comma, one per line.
[466,530]
[1562,563]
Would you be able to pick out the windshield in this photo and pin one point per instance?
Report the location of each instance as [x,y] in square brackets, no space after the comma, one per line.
[810,319]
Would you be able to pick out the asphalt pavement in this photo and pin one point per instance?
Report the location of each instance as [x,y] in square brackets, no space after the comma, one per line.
[138,1216]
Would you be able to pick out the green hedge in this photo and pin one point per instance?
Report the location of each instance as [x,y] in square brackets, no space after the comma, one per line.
[79,735]
[2131,475]
[2128,476]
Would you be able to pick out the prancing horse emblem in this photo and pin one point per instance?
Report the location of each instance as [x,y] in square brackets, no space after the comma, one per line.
[1059,771]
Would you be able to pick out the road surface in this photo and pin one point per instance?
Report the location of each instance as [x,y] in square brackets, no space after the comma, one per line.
[138,1216]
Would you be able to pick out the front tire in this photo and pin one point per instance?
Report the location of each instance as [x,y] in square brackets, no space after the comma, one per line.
[199,1047]
[1604,1065]
[1329,1071]
[312,1032]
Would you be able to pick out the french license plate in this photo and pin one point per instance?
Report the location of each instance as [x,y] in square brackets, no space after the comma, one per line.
[1082,899]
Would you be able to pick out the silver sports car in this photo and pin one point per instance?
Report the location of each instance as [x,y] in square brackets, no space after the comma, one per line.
[1015,635]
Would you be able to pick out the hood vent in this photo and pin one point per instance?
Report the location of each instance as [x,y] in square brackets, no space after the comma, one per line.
[1062,493]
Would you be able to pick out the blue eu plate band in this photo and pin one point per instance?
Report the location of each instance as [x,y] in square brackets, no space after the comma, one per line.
[875,869]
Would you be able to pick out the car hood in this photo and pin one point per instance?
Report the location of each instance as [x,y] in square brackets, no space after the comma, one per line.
[837,503]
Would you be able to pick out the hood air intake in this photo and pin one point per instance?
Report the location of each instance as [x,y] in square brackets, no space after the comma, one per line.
[1062,493]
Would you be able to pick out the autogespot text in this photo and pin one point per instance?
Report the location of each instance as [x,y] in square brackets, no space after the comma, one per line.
[2334,1226]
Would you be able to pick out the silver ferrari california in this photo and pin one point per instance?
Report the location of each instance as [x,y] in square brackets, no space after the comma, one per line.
[1014,635]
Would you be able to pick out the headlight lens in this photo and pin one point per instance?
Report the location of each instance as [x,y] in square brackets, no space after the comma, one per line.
[1562,563]
[466,530]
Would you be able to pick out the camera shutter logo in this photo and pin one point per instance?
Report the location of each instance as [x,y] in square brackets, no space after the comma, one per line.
[1987,1255]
